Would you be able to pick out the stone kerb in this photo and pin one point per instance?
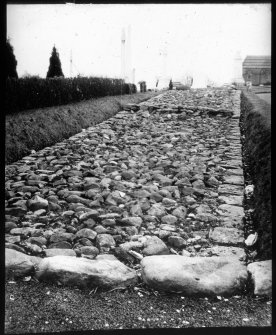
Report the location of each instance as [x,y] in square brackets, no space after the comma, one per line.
[194,275]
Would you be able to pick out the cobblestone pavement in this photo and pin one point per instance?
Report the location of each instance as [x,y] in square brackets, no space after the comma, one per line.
[161,177]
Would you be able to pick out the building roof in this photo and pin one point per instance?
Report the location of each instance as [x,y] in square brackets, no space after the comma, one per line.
[257,62]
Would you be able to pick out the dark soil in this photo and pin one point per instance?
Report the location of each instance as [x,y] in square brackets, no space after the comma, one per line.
[39,307]
[256,138]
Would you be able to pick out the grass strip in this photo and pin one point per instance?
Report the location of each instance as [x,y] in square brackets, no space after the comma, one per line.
[256,127]
[38,128]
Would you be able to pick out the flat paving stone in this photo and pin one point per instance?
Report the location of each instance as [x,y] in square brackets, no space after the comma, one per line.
[194,275]
[227,236]
[224,251]
[231,199]
[230,189]
[234,180]
[231,216]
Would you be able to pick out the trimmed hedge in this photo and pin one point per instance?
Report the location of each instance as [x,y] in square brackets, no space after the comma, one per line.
[32,93]
[255,118]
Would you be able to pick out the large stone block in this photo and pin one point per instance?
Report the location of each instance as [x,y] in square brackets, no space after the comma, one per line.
[18,264]
[261,274]
[194,275]
[85,273]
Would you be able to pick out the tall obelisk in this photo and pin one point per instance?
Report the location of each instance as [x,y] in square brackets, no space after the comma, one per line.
[237,73]
[163,79]
[128,56]
[133,76]
[127,72]
[123,54]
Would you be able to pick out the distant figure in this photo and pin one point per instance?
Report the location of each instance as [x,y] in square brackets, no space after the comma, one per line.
[248,85]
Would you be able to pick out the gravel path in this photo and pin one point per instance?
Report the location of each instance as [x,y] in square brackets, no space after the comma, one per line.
[174,171]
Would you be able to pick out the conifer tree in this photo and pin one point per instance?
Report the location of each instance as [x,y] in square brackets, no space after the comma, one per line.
[170,85]
[55,65]
[11,61]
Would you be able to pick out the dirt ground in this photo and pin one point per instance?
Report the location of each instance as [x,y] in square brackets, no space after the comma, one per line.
[38,307]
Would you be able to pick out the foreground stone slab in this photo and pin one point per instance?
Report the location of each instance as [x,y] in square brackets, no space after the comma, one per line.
[85,273]
[194,275]
[261,273]
[59,252]
[18,264]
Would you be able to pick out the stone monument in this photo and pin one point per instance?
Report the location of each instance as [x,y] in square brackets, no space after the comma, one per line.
[123,54]
[237,70]
[127,72]
[163,79]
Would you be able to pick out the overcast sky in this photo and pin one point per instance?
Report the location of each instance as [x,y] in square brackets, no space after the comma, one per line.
[201,39]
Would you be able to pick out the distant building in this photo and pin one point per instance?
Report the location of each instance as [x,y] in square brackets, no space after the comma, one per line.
[176,84]
[186,83]
[257,69]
